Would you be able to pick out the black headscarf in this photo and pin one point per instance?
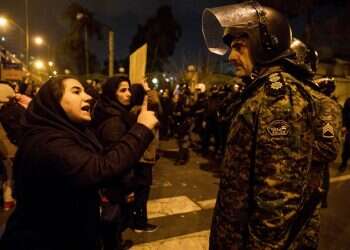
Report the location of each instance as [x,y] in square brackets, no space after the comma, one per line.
[45,112]
[109,106]
[111,85]
[138,94]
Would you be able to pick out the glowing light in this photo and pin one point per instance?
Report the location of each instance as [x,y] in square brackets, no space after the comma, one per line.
[50,63]
[3,22]
[38,40]
[155,80]
[39,64]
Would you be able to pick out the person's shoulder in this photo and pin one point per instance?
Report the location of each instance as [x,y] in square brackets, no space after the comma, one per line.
[44,140]
[49,135]
[276,84]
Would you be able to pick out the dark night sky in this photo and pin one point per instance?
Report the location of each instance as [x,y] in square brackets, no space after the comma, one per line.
[123,16]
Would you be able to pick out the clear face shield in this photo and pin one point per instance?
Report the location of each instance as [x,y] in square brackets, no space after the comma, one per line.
[229,19]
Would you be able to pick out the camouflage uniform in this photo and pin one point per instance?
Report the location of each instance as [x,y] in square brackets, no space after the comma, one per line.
[181,115]
[280,127]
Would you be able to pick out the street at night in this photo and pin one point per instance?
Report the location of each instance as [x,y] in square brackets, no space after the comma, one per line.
[174,125]
[183,198]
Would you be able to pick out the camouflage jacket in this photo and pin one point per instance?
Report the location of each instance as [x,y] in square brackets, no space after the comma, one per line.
[273,137]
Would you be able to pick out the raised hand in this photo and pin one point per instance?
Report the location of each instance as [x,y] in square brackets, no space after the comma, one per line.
[147,118]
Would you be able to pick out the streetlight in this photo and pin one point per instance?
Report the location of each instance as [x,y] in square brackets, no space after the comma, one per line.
[38,40]
[39,64]
[4,21]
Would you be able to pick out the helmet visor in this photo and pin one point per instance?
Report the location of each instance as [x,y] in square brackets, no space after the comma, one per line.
[216,22]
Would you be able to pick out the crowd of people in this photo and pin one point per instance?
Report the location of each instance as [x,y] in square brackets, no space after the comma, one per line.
[79,158]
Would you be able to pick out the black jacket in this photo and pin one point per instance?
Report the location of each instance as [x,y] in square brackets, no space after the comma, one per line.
[346,114]
[111,122]
[58,170]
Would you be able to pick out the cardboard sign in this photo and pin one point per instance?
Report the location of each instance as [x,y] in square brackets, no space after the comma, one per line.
[137,66]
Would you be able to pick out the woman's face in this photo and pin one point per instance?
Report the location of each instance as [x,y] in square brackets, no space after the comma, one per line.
[75,102]
[123,93]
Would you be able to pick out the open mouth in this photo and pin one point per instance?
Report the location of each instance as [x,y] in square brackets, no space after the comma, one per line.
[86,108]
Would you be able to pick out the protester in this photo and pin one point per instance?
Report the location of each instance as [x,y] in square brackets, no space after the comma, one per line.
[112,120]
[8,117]
[60,166]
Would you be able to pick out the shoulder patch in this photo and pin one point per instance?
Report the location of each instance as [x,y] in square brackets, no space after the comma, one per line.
[275,85]
[328,131]
[278,128]
[274,77]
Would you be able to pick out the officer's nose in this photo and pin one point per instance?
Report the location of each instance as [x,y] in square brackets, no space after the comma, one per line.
[234,55]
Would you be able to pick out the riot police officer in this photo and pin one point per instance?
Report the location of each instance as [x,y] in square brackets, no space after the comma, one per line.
[304,63]
[346,146]
[199,110]
[265,185]
[182,123]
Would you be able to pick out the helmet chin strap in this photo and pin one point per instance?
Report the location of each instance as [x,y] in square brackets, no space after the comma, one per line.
[269,42]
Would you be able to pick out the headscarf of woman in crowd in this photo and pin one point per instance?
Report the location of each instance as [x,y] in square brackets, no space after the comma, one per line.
[45,110]
[138,94]
[110,88]
[110,104]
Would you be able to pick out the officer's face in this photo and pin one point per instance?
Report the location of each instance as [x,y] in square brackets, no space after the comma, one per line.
[75,102]
[240,57]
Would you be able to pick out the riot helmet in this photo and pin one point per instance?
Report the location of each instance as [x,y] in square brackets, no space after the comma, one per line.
[326,85]
[303,56]
[268,31]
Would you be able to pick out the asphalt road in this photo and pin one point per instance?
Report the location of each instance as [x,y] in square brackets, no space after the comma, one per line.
[182,200]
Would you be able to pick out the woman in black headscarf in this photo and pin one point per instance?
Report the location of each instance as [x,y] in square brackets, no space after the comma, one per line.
[111,121]
[59,167]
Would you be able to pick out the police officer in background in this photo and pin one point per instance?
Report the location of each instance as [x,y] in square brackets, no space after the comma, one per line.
[304,64]
[199,111]
[265,200]
[346,125]
[182,123]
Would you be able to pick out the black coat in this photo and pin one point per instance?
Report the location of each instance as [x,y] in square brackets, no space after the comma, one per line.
[111,121]
[58,170]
